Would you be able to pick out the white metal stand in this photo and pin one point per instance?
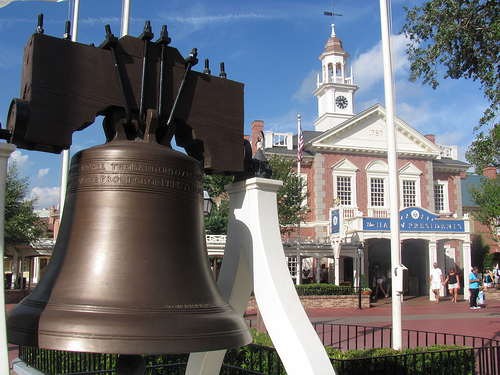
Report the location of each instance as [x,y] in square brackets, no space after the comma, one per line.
[5,151]
[254,260]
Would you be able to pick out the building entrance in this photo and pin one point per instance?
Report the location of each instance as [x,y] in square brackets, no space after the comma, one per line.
[414,256]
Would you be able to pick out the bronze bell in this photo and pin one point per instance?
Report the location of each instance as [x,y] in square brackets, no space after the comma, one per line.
[129,272]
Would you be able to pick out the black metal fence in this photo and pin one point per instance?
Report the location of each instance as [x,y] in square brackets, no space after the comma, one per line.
[472,361]
[250,359]
[347,337]
[479,356]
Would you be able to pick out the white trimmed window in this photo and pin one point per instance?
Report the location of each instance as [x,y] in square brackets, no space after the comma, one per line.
[377,192]
[344,183]
[441,203]
[377,175]
[409,193]
[344,190]
[409,182]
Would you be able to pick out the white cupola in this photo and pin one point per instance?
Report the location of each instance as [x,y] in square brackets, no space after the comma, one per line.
[335,86]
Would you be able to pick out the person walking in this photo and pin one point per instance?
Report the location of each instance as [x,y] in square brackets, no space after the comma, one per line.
[496,275]
[488,278]
[436,280]
[474,280]
[453,284]
[380,282]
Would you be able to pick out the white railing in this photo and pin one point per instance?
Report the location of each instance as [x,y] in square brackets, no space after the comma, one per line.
[279,140]
[314,241]
[378,212]
[449,152]
[216,238]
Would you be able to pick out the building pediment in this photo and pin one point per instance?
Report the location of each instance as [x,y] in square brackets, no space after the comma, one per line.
[367,132]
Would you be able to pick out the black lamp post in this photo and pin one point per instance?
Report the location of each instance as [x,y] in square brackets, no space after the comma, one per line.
[359,252]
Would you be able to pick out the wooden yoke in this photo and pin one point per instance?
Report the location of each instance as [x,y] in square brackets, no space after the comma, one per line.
[65,85]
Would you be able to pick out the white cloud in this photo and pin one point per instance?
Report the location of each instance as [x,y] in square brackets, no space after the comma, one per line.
[303,94]
[47,197]
[22,161]
[43,172]
[368,66]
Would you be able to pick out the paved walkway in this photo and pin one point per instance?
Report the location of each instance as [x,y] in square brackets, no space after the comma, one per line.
[418,313]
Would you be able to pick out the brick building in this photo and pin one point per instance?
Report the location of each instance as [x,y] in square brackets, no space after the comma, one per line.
[345,166]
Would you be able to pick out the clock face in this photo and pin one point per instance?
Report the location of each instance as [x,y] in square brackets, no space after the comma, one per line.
[341,101]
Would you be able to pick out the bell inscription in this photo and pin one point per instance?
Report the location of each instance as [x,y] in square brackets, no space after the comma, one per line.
[135,174]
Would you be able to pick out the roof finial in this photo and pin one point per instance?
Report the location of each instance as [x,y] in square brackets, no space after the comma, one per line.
[333,29]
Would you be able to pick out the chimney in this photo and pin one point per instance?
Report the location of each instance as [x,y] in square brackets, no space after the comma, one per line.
[490,172]
[257,127]
[431,137]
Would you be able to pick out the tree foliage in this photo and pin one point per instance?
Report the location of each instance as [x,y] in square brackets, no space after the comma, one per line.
[22,225]
[478,251]
[461,36]
[291,195]
[485,150]
[486,196]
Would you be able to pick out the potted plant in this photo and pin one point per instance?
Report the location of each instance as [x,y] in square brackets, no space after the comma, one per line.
[364,285]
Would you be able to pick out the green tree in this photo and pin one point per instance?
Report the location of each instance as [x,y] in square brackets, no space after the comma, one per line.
[478,251]
[461,36]
[291,195]
[22,225]
[216,222]
[485,150]
[486,196]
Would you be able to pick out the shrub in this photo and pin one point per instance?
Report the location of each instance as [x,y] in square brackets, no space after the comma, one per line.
[436,359]
[324,290]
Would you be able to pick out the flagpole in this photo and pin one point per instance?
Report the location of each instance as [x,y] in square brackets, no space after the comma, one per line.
[125,17]
[298,277]
[392,161]
[66,153]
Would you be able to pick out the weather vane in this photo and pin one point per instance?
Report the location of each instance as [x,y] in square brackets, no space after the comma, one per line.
[331,13]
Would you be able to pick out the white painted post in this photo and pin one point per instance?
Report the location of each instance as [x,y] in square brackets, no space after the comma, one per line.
[125,18]
[467,269]
[432,259]
[65,154]
[253,259]
[392,161]
[5,151]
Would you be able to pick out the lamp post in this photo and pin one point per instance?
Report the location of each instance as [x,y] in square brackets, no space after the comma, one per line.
[359,252]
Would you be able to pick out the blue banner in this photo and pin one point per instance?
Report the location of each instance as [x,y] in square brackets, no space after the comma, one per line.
[335,221]
[416,220]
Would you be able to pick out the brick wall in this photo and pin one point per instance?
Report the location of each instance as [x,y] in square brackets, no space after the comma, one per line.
[325,302]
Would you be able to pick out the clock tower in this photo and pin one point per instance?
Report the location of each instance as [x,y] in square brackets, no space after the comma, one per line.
[335,87]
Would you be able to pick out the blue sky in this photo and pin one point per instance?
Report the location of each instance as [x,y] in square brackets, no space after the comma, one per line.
[270,46]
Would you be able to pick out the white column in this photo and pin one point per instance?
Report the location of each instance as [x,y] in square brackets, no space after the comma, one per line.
[5,151]
[337,270]
[318,270]
[432,258]
[467,266]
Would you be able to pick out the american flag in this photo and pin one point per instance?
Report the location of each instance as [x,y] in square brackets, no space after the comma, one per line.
[300,146]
